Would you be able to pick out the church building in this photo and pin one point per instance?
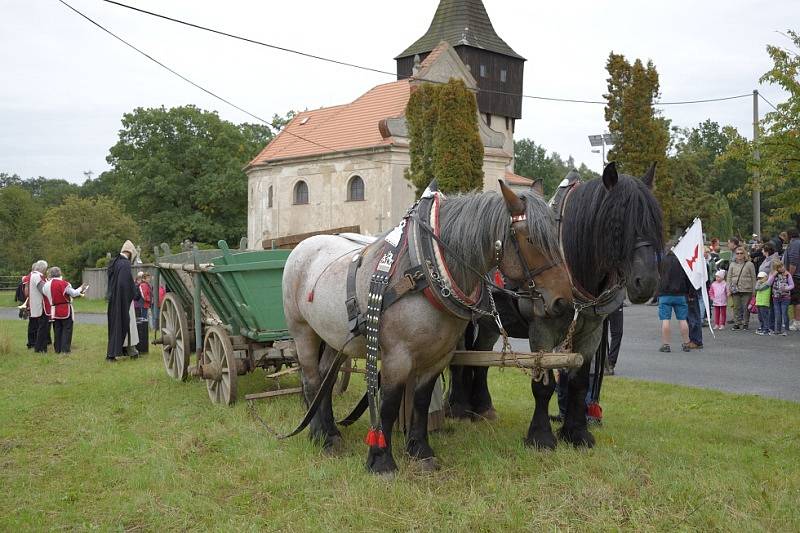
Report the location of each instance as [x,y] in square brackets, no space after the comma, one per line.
[344,165]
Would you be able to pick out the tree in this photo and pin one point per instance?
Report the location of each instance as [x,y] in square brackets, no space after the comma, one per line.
[81,230]
[531,161]
[20,242]
[179,172]
[444,139]
[47,192]
[711,179]
[641,135]
[779,147]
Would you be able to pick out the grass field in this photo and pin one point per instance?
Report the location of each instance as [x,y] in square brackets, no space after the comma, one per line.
[82,305]
[89,445]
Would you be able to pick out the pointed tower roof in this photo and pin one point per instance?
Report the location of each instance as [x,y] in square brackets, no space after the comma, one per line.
[461,23]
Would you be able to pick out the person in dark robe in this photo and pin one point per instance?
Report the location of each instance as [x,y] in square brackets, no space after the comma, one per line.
[122,336]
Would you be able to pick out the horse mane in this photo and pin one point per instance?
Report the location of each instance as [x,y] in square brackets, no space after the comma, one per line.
[471,223]
[600,228]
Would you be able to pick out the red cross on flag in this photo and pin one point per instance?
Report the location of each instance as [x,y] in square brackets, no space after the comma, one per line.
[690,252]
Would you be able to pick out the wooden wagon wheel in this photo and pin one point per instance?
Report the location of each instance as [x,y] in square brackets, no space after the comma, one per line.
[343,379]
[176,345]
[219,364]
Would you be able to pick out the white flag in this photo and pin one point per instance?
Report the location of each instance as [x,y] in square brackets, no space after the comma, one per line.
[690,252]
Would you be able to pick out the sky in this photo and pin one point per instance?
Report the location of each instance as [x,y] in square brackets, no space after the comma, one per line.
[66,83]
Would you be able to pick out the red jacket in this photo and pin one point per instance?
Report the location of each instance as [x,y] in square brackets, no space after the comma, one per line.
[60,304]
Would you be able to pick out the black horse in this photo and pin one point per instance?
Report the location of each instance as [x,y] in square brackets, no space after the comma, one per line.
[610,232]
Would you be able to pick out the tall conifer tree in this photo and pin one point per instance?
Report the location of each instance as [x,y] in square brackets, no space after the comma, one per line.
[642,136]
[445,143]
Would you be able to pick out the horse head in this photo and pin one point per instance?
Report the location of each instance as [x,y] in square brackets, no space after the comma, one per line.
[531,257]
[633,230]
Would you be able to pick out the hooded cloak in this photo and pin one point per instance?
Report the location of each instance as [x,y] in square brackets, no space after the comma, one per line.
[121,291]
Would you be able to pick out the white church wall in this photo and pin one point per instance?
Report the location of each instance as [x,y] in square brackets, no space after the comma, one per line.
[327,179]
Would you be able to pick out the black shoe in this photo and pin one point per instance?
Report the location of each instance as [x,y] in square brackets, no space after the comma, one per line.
[133,353]
[736,326]
[111,359]
[665,348]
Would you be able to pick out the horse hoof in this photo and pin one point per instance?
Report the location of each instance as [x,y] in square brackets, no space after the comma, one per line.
[488,414]
[456,411]
[580,438]
[429,464]
[543,440]
[333,445]
[380,461]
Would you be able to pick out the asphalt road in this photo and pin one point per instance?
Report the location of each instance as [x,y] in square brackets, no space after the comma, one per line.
[734,361]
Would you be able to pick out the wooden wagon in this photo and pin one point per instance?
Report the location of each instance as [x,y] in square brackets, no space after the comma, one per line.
[226,307]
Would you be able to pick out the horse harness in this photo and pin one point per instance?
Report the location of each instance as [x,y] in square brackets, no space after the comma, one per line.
[418,236]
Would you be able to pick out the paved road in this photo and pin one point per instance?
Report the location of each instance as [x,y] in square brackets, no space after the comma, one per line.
[736,361]
[7,313]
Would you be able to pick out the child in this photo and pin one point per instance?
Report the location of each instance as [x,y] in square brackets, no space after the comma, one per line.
[782,284]
[719,299]
[764,304]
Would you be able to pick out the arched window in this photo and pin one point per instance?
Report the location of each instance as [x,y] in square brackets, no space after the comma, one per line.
[355,189]
[269,196]
[300,193]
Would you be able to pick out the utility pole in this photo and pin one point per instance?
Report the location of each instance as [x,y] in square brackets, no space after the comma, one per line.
[756,185]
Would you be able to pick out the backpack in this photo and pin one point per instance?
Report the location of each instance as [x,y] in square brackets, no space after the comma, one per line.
[20,295]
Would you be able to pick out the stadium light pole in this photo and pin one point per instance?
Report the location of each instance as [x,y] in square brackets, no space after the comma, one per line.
[602,140]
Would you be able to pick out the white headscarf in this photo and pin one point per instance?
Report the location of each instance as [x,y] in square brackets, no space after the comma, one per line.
[131,249]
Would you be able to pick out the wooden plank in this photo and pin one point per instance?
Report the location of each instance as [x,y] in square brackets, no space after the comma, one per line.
[525,360]
[273,393]
[284,372]
[290,241]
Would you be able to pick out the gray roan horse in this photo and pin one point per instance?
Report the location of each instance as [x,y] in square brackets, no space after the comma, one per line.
[416,338]
[610,231]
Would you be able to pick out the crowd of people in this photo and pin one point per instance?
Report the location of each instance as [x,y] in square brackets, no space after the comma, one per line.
[47,304]
[760,278]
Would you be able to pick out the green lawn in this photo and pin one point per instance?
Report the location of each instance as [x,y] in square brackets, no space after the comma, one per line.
[82,305]
[89,445]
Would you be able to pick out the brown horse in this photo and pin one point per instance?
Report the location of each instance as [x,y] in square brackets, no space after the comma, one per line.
[416,338]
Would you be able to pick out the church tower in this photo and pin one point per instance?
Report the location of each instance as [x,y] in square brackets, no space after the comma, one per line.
[498,69]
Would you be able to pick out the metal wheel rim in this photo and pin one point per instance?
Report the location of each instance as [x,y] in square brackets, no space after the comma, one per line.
[218,352]
[173,325]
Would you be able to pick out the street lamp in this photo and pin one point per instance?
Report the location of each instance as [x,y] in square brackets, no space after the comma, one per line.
[602,140]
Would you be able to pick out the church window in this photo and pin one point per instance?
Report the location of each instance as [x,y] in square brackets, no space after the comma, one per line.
[355,189]
[503,76]
[483,71]
[300,193]
[269,196]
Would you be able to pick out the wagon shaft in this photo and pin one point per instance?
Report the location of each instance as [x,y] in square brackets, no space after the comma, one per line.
[523,360]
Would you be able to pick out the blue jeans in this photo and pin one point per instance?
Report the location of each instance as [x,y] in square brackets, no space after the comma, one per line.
[765,317]
[780,309]
[694,320]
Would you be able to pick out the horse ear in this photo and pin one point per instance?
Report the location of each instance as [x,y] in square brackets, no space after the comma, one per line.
[514,202]
[650,176]
[610,176]
[538,186]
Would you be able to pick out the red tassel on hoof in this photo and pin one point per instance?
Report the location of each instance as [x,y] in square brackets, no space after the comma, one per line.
[311,295]
[594,410]
[375,438]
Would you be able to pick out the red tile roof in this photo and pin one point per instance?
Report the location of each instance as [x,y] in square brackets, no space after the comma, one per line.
[339,128]
[514,179]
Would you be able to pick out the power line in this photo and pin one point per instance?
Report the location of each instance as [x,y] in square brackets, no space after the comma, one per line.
[207,91]
[388,73]
[768,102]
